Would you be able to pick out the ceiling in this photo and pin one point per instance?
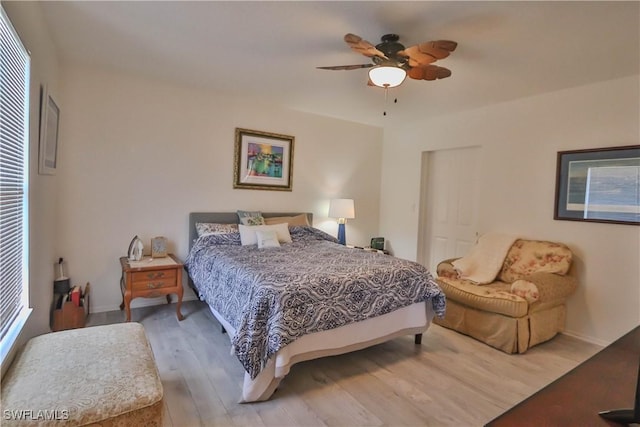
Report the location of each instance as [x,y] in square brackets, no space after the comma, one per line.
[268,51]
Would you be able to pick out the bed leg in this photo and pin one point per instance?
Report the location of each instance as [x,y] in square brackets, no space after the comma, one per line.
[222,329]
[418,339]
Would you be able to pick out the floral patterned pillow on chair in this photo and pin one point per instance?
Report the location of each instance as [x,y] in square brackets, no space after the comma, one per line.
[532,256]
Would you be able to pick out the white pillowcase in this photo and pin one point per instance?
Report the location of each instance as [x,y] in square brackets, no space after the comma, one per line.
[248,233]
[267,239]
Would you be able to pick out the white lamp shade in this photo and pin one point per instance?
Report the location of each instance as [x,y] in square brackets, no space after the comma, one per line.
[386,76]
[342,208]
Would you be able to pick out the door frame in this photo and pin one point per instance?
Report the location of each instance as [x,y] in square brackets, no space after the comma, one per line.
[425,225]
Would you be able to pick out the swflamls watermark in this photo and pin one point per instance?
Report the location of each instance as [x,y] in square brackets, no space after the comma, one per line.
[36,415]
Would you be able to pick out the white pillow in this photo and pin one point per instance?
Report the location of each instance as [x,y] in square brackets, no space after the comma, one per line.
[267,239]
[248,233]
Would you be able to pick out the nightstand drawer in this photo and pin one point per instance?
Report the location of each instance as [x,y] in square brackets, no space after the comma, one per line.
[151,280]
[153,275]
[149,285]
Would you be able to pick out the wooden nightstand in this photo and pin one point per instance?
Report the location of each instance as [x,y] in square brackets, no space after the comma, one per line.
[151,277]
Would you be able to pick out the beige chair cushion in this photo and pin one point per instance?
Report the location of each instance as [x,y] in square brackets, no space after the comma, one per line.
[532,256]
[495,297]
[104,374]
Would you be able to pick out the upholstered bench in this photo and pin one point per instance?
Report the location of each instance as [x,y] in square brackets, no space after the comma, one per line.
[99,376]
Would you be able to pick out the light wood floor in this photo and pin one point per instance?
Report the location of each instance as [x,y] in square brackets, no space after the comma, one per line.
[450,380]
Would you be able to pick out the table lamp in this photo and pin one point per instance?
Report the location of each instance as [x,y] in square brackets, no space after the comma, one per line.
[342,209]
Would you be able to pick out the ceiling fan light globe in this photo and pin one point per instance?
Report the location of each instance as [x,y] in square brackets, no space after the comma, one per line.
[387,76]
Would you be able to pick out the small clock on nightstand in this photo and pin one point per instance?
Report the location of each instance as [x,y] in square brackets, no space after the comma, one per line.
[158,247]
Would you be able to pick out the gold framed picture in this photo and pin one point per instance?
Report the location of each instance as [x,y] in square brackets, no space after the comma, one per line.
[158,247]
[263,160]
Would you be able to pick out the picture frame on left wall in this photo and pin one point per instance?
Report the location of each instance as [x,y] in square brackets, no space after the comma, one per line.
[49,122]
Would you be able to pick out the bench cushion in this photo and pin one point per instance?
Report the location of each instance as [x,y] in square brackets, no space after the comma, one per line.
[102,374]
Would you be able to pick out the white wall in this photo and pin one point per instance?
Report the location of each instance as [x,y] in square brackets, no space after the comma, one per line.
[520,141]
[43,189]
[136,156]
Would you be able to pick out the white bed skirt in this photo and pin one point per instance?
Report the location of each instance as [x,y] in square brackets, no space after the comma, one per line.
[413,319]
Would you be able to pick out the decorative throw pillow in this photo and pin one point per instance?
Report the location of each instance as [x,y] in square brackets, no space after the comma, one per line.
[293,221]
[248,234]
[204,228]
[251,217]
[525,289]
[533,256]
[267,239]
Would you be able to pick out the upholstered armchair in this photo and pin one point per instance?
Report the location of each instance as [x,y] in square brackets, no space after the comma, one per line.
[526,303]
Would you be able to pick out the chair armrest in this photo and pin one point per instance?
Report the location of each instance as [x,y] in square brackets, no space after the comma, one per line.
[445,269]
[552,286]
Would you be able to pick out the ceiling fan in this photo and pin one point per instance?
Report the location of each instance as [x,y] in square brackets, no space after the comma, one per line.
[392,62]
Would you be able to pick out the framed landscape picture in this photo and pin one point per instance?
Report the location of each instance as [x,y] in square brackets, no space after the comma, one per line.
[599,185]
[263,160]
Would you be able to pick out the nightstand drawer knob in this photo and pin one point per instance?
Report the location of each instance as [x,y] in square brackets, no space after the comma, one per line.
[154,285]
[155,275]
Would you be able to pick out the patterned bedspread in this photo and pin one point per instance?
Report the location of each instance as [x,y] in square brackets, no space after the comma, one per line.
[271,296]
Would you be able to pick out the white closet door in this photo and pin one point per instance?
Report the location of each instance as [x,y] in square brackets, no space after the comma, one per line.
[448,205]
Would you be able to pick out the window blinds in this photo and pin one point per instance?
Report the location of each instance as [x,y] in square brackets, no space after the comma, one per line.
[14,173]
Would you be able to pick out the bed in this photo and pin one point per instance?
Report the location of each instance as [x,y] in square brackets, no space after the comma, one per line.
[307,298]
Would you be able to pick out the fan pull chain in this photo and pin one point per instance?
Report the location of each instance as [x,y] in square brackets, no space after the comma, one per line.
[395,100]
[386,90]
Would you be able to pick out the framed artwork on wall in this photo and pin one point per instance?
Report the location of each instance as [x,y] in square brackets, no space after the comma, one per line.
[159,247]
[599,185]
[263,160]
[49,120]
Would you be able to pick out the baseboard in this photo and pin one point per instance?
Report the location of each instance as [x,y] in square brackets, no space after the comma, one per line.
[142,302]
[586,338]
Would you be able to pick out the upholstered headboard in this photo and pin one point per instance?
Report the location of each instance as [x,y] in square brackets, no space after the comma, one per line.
[229,218]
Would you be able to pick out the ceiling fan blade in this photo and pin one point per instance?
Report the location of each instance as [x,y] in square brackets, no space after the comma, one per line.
[362,46]
[429,72]
[428,52]
[346,67]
